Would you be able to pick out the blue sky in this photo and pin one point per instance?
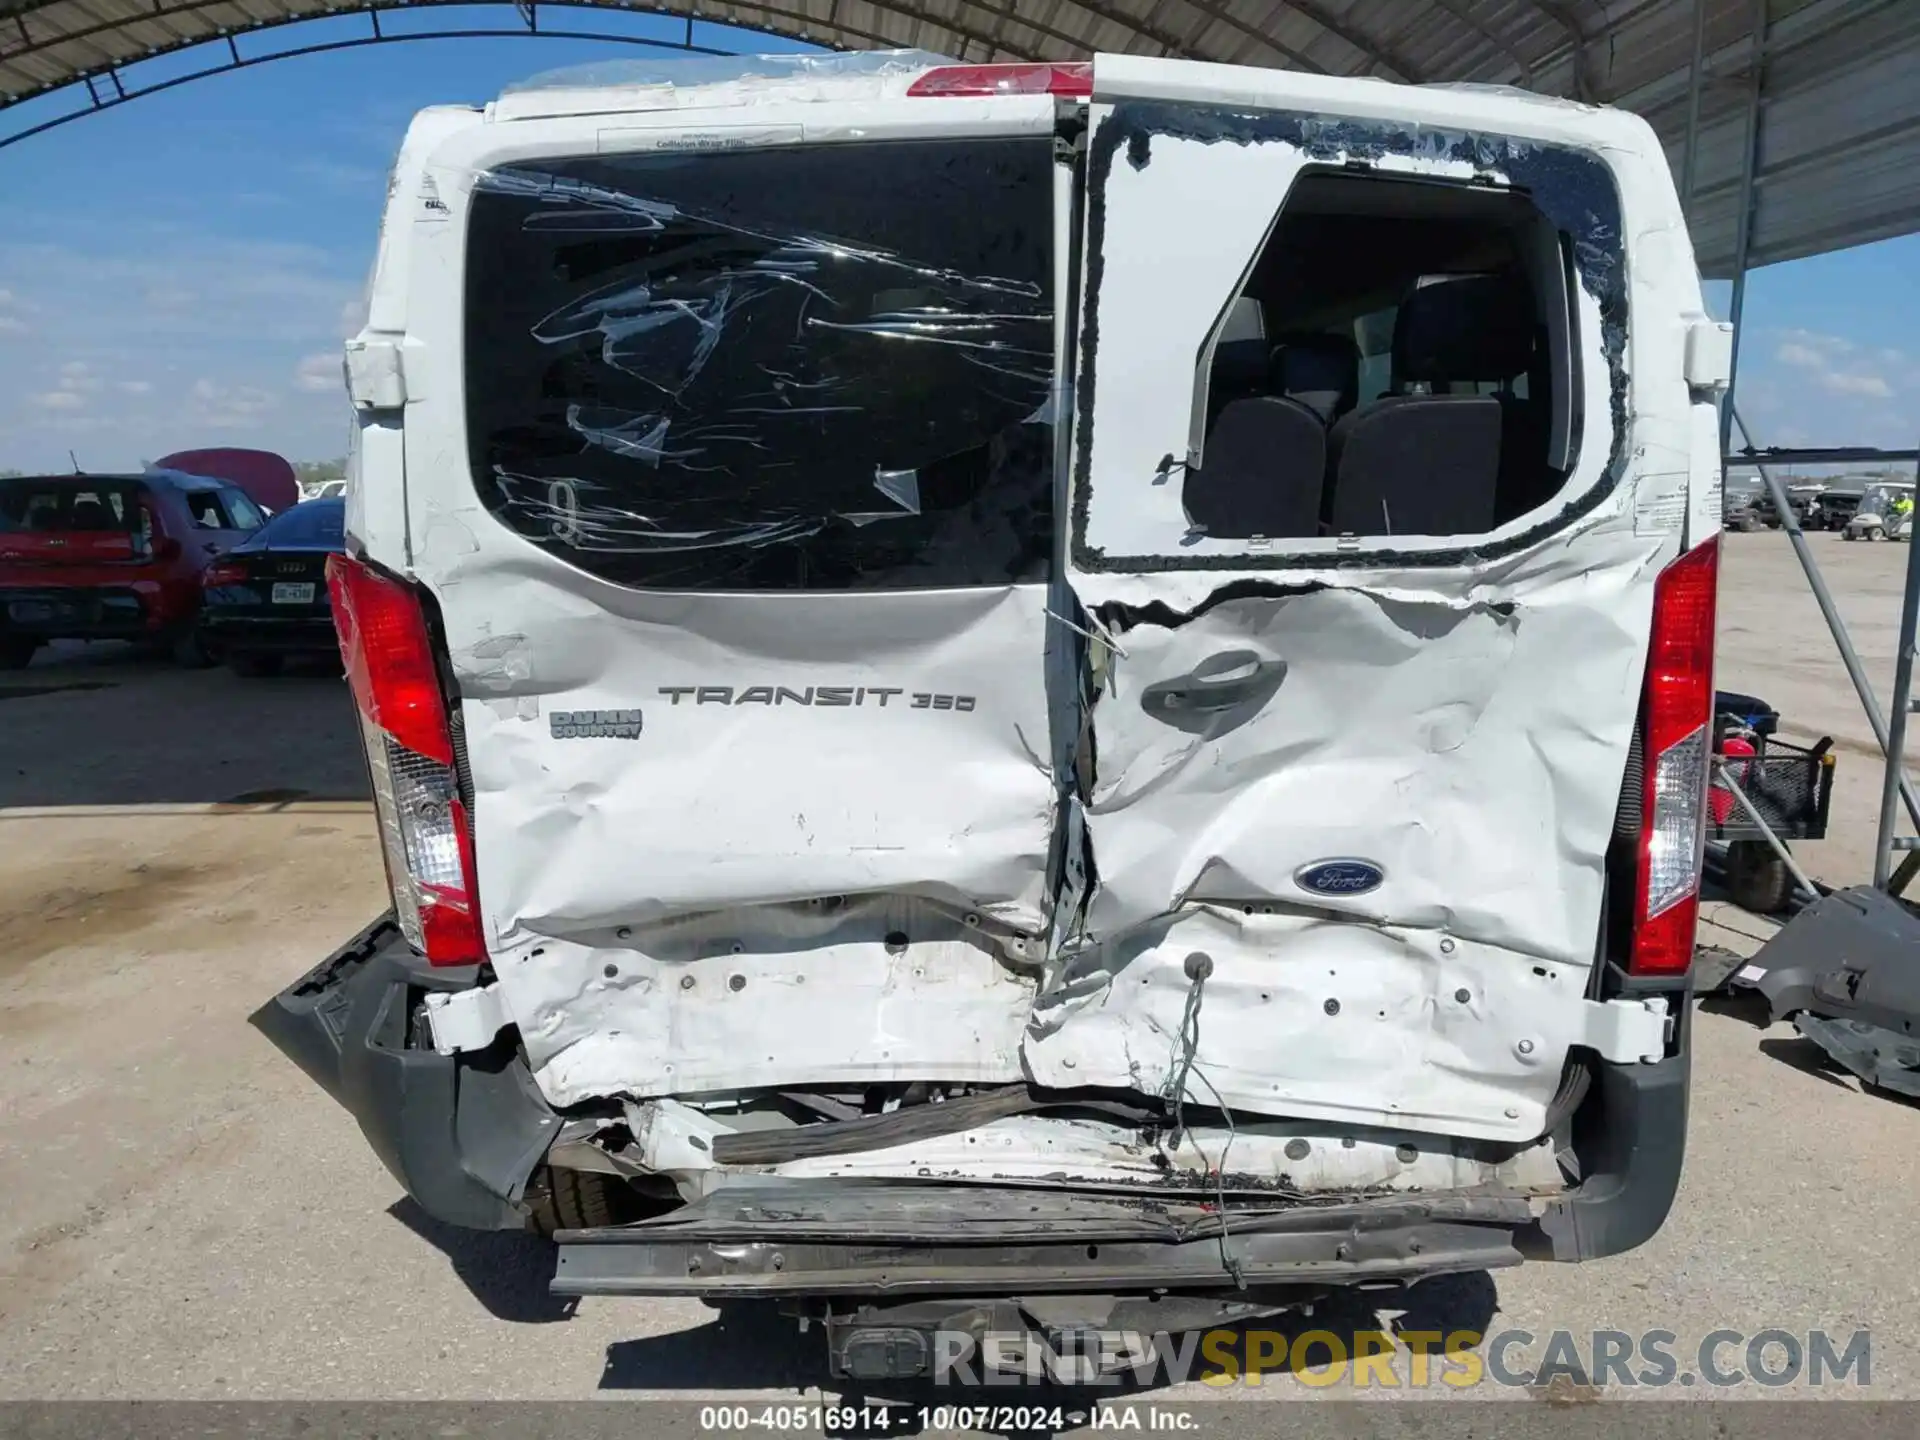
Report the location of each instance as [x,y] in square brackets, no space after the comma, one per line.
[180,271]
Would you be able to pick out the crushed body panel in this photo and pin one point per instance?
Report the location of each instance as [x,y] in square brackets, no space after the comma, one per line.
[848,698]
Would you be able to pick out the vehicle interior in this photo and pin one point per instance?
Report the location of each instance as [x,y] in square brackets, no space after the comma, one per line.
[62,503]
[1400,360]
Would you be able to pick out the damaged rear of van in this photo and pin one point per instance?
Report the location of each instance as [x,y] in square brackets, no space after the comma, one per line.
[1056,686]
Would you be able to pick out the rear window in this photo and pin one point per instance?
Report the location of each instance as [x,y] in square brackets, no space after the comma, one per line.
[798,368]
[1414,367]
[62,503]
[222,508]
[316,523]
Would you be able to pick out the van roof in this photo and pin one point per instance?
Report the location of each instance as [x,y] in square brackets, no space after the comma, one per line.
[722,81]
[714,81]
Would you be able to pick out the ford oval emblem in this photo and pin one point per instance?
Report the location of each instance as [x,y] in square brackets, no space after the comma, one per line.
[1339,877]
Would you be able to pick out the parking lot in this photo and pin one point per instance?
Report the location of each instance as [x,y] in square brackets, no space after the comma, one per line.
[188,1216]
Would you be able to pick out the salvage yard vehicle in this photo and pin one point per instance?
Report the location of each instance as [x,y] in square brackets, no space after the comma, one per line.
[1885,512]
[1054,691]
[1739,512]
[265,601]
[112,557]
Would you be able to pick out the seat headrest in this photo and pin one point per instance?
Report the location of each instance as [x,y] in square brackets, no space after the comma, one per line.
[1240,365]
[1463,327]
[1320,371]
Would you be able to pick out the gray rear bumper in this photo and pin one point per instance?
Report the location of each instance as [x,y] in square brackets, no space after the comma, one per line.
[855,1238]
[465,1133]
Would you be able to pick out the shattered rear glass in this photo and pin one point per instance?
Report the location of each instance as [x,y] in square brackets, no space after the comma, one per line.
[818,367]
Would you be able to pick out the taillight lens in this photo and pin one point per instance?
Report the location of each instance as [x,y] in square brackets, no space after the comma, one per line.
[424,827]
[1679,721]
[1073,78]
[224,572]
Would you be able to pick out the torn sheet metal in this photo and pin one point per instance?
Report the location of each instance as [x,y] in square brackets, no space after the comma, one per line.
[674,439]
[1437,723]
[1278,1160]
[836,991]
[1317,1016]
[1272,733]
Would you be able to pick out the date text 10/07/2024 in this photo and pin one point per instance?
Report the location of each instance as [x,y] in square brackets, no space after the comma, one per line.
[914,1419]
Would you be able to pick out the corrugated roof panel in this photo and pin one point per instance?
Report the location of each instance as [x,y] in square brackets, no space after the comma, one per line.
[1840,153]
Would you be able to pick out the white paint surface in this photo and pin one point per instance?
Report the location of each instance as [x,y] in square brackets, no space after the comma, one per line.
[1463,727]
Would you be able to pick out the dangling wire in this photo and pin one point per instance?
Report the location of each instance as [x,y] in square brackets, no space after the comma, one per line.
[1186,1050]
[1186,1044]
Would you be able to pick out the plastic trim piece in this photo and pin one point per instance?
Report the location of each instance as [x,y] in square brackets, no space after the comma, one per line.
[462,1133]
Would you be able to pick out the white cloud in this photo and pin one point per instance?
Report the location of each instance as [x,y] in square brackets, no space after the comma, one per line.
[1820,341]
[58,400]
[320,373]
[1835,364]
[77,376]
[230,407]
[6,296]
[1874,386]
[148,310]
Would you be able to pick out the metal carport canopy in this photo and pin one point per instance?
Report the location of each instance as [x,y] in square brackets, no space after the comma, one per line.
[1807,109]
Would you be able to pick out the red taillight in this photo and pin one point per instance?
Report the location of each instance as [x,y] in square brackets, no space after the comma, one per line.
[389,660]
[1679,731]
[223,572]
[1073,78]
[424,826]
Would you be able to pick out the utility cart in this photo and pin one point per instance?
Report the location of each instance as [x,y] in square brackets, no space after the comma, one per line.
[1764,792]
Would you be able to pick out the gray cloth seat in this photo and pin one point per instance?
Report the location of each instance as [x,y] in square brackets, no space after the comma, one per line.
[1262,472]
[1436,464]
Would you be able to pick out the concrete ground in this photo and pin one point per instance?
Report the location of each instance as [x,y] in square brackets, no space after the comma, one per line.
[186,1216]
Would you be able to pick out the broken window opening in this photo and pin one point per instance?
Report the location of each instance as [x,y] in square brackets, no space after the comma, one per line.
[820,368]
[1402,359]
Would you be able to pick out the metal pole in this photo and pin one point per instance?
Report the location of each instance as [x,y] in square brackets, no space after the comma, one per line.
[1722,769]
[1743,233]
[1856,672]
[1897,732]
[1692,150]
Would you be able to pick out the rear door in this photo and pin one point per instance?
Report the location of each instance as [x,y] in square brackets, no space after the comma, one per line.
[743,538]
[1357,752]
[67,521]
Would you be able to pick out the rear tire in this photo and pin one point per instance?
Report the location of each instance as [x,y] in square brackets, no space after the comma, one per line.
[586,1200]
[1757,879]
[17,651]
[252,665]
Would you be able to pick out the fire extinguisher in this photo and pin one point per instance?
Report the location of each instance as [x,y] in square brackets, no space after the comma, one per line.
[1737,750]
